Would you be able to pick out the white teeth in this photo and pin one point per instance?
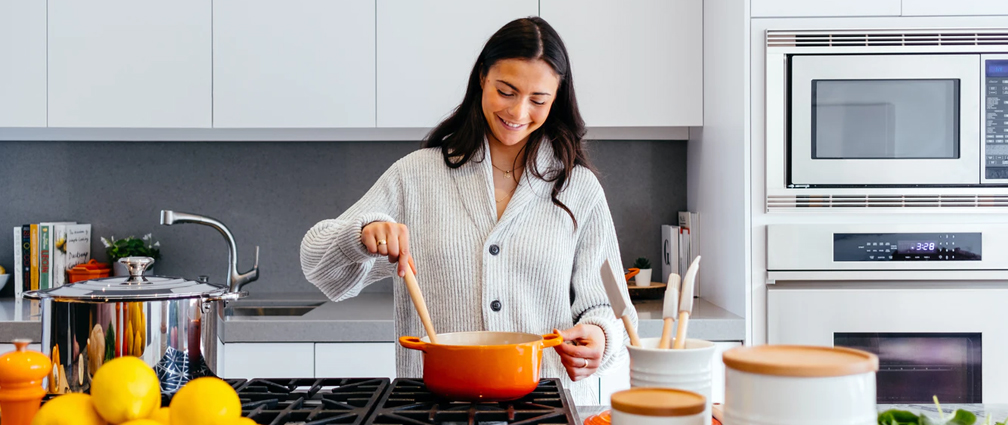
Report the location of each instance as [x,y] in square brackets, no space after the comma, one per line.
[509,124]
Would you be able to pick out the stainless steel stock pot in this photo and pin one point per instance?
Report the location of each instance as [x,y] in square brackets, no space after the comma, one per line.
[168,322]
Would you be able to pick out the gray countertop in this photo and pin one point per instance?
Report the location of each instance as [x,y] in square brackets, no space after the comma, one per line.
[365,318]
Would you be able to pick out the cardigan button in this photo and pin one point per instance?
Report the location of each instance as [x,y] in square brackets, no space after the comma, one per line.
[494,249]
[495,305]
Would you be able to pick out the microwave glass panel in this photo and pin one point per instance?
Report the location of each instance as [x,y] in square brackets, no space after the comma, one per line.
[914,367]
[885,119]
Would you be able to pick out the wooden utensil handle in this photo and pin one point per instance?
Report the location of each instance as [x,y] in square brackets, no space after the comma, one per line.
[631,331]
[666,334]
[418,302]
[680,336]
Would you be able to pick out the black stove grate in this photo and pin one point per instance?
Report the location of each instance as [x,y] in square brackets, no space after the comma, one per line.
[409,402]
[314,401]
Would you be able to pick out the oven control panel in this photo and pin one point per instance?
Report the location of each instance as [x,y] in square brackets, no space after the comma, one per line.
[907,246]
[996,118]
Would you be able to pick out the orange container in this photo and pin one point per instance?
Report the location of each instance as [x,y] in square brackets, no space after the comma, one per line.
[21,392]
[482,366]
[87,271]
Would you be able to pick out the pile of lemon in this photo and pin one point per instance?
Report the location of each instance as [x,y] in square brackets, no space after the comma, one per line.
[126,391]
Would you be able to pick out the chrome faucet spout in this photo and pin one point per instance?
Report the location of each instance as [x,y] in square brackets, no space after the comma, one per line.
[235,280]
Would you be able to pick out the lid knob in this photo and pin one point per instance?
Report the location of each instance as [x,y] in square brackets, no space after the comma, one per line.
[21,374]
[136,267]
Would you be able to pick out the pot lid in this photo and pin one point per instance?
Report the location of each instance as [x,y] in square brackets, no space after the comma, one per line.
[135,287]
[658,402]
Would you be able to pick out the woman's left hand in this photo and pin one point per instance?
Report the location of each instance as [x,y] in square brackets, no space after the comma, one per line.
[581,352]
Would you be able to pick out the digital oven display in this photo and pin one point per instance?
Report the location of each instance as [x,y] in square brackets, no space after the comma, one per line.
[928,247]
[997,68]
[859,247]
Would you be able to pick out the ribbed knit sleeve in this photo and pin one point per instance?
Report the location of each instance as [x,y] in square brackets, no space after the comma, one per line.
[591,305]
[332,255]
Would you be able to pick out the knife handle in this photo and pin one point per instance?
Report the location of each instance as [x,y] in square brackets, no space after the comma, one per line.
[634,340]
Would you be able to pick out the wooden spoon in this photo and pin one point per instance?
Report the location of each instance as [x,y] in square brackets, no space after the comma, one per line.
[418,302]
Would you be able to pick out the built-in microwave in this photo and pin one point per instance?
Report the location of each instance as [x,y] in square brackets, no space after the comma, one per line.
[896,109]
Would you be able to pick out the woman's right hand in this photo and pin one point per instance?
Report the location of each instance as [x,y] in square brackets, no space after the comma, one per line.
[389,239]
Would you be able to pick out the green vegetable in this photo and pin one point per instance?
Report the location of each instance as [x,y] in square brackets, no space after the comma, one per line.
[642,263]
[903,417]
[109,343]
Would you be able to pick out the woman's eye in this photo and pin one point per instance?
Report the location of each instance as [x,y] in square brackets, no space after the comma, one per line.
[505,94]
[539,103]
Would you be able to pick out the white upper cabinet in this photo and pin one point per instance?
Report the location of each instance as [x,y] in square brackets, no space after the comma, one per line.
[799,8]
[954,8]
[22,63]
[129,63]
[426,50]
[293,63]
[637,63]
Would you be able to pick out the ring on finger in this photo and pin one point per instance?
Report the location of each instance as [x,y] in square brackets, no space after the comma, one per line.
[382,242]
[585,364]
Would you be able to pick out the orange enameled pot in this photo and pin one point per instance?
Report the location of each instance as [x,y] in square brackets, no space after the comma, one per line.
[482,366]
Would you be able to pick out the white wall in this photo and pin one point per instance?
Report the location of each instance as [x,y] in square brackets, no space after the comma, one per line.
[718,158]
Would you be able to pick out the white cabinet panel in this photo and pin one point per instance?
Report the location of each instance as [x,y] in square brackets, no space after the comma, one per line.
[6,348]
[23,59]
[128,63]
[293,63]
[269,360]
[795,8]
[426,50]
[636,63]
[718,370]
[355,360]
[617,379]
[954,8]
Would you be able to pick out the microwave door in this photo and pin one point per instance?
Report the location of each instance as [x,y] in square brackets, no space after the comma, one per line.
[866,120]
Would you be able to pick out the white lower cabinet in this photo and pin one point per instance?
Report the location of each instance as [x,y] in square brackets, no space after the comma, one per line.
[619,379]
[355,360]
[269,360]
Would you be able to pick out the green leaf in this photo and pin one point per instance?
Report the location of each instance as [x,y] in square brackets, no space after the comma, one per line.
[962,417]
[897,417]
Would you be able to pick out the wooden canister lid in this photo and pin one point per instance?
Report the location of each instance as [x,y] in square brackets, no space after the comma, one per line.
[658,402]
[799,360]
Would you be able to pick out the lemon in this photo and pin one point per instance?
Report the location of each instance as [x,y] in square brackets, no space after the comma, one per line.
[242,421]
[3,270]
[141,422]
[205,401]
[68,409]
[124,389]
[161,416]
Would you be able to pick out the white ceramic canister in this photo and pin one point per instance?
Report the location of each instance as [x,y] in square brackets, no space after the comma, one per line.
[658,406]
[799,385]
[686,369]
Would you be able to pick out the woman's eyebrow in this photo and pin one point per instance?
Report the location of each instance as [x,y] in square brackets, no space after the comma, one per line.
[516,89]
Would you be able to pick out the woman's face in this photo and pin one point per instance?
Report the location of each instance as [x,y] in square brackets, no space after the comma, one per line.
[517,96]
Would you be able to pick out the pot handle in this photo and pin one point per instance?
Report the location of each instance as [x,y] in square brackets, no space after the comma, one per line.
[413,343]
[552,340]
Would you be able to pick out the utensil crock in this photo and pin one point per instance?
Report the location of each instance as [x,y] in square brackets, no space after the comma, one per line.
[482,366]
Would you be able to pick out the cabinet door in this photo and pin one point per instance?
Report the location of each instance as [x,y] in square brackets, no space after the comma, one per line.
[23,55]
[128,63]
[269,360]
[355,360]
[954,8]
[636,63]
[798,8]
[293,63]
[426,50]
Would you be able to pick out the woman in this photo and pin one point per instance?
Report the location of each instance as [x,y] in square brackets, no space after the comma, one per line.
[508,224]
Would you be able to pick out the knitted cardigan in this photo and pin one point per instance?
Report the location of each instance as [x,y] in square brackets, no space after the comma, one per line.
[532,264]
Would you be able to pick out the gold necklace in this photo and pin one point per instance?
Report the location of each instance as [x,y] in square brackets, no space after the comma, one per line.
[506,196]
[507,174]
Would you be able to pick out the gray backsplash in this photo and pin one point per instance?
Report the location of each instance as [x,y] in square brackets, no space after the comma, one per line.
[270,193]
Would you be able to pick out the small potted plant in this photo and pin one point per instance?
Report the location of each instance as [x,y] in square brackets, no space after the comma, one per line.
[643,276]
[131,247]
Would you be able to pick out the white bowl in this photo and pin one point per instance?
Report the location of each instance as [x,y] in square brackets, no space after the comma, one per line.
[3,280]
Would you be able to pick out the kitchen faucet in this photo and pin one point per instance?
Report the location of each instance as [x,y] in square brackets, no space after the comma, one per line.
[169,217]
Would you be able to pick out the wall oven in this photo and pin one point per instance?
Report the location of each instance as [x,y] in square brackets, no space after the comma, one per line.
[928,299]
[868,112]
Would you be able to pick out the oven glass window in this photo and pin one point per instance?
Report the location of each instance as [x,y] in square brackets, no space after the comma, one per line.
[914,367]
[885,119]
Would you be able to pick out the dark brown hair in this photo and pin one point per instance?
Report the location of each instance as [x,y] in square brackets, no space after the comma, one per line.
[460,136]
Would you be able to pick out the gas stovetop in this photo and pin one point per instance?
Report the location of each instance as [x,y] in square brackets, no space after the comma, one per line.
[378,401]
